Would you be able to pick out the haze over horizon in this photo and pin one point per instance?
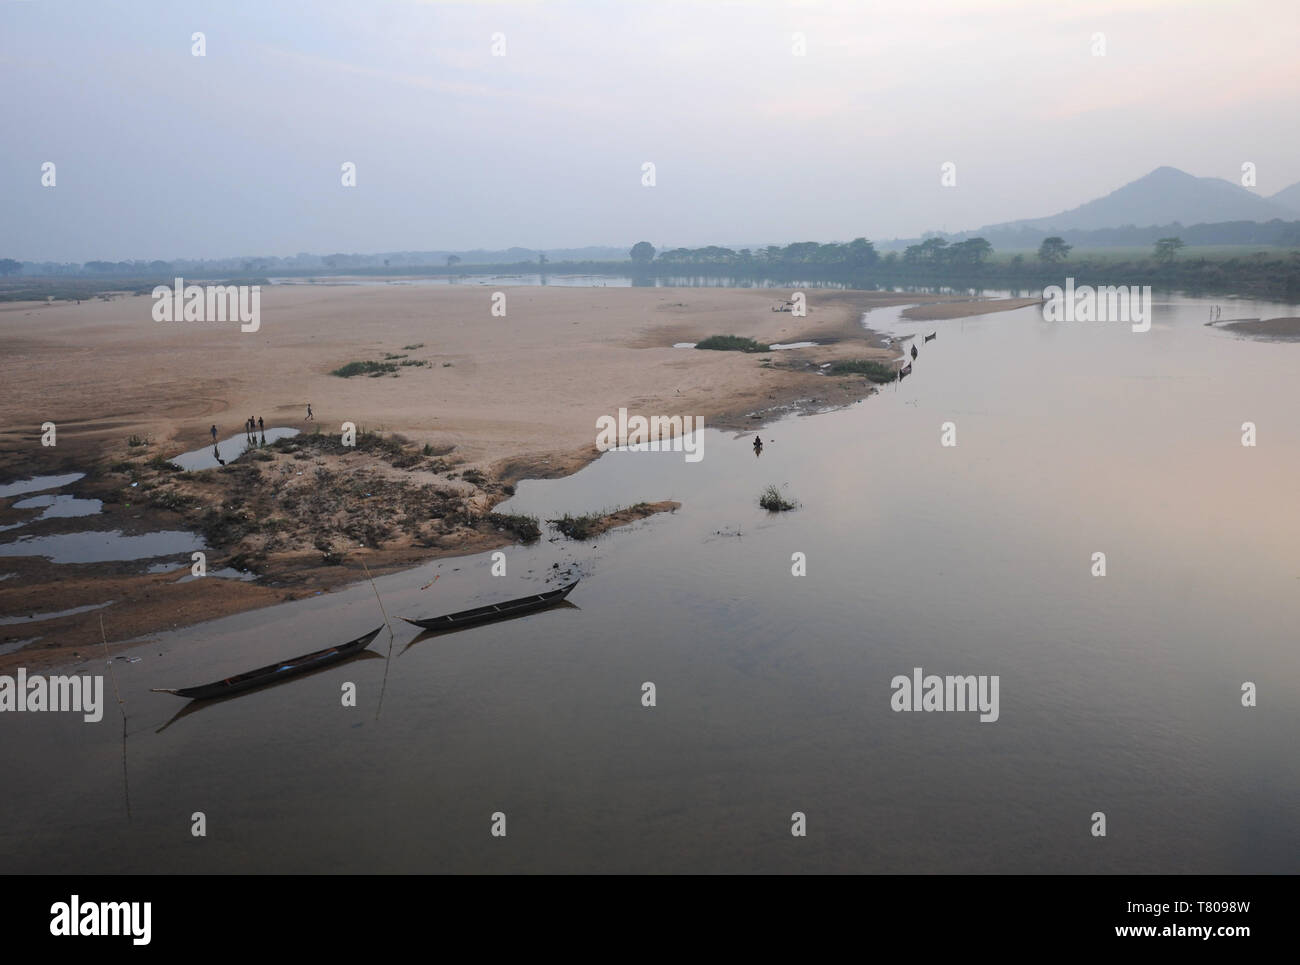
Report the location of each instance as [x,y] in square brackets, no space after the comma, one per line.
[161,154]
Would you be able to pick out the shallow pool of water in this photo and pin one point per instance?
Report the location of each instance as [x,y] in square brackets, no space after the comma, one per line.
[101,546]
[210,457]
[225,573]
[39,483]
[61,507]
[52,615]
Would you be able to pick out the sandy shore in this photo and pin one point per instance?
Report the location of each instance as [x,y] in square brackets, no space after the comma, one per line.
[499,398]
[529,385]
[962,308]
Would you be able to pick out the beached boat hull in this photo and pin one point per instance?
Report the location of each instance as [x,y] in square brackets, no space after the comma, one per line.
[500,611]
[274,673]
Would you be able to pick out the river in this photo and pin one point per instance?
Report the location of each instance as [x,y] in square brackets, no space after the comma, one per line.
[1119,694]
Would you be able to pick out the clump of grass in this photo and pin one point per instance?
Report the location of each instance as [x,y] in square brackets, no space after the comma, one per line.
[474,476]
[874,371]
[373,369]
[171,499]
[580,528]
[591,525]
[136,442]
[163,463]
[412,348]
[772,500]
[732,343]
[390,355]
[418,363]
[526,529]
[328,554]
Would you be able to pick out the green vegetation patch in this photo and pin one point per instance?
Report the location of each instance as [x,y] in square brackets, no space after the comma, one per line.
[874,371]
[772,500]
[732,343]
[372,369]
[526,529]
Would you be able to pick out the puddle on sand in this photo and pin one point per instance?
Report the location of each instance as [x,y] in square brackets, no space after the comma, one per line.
[37,617]
[225,573]
[210,457]
[776,348]
[60,507]
[103,546]
[57,507]
[16,645]
[39,483]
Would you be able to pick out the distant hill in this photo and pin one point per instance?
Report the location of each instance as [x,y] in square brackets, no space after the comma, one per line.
[1164,196]
[1289,198]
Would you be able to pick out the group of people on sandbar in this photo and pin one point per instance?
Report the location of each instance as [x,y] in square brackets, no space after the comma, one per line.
[253,428]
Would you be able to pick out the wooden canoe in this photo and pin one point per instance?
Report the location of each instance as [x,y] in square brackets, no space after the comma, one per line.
[274,673]
[496,611]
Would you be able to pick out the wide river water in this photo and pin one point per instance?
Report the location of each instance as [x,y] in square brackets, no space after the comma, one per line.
[1119,694]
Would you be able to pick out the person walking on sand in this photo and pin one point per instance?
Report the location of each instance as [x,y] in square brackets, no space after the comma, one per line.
[213,430]
[309,416]
[261,426]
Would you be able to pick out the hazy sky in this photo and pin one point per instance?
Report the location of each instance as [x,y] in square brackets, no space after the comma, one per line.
[163,154]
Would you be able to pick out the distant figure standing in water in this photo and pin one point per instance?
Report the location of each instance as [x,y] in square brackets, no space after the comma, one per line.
[261,426]
[758,445]
[309,416]
[915,353]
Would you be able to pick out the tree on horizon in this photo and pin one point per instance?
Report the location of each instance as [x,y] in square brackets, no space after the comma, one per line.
[1167,249]
[1053,250]
[642,252]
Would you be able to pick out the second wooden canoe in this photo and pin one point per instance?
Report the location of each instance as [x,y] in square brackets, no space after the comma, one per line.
[497,611]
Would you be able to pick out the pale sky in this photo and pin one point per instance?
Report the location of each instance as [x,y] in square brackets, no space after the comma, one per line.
[161,154]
